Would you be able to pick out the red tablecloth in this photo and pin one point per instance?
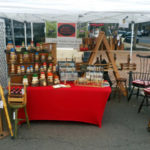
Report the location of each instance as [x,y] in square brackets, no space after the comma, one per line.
[84,104]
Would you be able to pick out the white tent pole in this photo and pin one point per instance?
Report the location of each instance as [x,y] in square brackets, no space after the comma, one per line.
[12,29]
[32,31]
[131,48]
[25,34]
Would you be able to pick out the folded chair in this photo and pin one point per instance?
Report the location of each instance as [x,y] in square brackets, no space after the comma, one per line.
[141,79]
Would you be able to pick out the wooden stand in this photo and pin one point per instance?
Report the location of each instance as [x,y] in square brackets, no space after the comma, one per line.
[2,132]
[102,38]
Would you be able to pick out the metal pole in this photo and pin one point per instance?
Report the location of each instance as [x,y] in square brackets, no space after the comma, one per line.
[32,31]
[131,47]
[12,30]
[25,34]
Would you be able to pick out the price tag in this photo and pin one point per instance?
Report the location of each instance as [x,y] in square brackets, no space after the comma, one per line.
[1,104]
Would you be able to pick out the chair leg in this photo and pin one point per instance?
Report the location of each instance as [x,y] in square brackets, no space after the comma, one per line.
[130,94]
[137,94]
[141,105]
[147,104]
[16,122]
[27,118]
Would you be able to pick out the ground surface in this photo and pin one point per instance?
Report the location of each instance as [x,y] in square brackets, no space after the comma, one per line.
[122,129]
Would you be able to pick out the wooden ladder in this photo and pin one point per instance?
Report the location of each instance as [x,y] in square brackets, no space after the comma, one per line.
[102,38]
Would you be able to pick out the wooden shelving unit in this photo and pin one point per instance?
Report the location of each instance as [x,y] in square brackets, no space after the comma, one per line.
[17,78]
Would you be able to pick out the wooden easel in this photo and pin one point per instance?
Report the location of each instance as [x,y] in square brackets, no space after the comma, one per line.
[2,132]
[102,38]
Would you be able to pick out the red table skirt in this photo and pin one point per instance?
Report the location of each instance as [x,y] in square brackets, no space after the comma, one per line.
[84,104]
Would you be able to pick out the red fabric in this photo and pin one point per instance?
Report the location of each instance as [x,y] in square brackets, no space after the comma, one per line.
[84,104]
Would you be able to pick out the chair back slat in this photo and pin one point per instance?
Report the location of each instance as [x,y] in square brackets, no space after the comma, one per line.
[144,73]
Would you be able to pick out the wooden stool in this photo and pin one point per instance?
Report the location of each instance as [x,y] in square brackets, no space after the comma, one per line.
[16,102]
[118,81]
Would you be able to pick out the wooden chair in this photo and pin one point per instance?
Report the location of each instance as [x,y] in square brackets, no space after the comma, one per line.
[141,79]
[16,102]
[145,101]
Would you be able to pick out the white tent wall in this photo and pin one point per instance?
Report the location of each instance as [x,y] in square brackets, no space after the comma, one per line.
[3,67]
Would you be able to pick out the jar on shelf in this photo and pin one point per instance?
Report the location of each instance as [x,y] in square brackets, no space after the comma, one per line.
[12,69]
[56,80]
[49,58]
[32,45]
[43,57]
[25,80]
[26,57]
[41,69]
[20,58]
[12,55]
[37,47]
[18,70]
[36,67]
[28,70]
[23,46]
[22,69]
[44,66]
[42,79]
[50,67]
[36,56]
[18,48]
[31,68]
[29,47]
[50,78]
[9,45]
[41,47]
[35,80]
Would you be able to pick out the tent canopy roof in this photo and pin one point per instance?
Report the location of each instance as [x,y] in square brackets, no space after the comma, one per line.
[98,11]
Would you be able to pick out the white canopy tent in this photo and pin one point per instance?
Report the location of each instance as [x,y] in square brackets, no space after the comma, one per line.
[97,11]
[110,11]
